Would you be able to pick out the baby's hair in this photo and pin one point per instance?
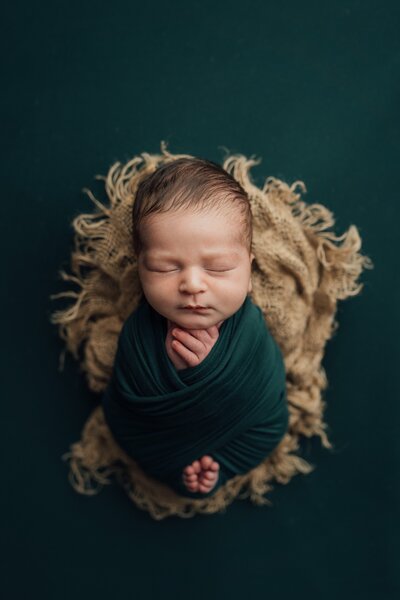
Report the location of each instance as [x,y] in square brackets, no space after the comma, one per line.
[192,183]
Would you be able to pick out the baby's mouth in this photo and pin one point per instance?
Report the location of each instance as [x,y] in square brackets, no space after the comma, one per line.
[196,308]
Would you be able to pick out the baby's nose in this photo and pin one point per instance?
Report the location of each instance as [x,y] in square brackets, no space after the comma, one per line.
[192,281]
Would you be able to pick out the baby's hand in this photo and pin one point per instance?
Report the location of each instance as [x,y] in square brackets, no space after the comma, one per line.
[188,347]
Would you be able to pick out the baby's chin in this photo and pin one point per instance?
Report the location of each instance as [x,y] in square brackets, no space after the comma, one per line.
[195,321]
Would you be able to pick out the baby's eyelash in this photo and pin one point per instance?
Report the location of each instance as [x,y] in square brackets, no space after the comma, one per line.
[213,270]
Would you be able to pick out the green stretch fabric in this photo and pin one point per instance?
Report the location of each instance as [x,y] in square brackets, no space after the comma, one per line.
[232,406]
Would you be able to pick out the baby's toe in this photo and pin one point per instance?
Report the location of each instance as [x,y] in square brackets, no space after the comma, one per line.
[191,482]
[189,470]
[206,461]
[192,487]
[209,479]
[196,466]
[206,486]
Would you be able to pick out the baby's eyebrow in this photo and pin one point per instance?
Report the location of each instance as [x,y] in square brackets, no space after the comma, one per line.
[219,254]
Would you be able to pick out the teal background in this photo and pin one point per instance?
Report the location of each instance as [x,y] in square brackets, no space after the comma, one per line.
[312,88]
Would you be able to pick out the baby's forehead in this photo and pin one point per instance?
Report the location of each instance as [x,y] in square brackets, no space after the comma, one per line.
[201,228]
[231,219]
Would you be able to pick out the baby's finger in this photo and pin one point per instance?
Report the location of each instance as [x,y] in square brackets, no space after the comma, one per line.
[214,330]
[190,358]
[205,335]
[187,339]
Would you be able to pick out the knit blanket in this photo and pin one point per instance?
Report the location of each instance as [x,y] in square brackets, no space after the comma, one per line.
[300,272]
[232,405]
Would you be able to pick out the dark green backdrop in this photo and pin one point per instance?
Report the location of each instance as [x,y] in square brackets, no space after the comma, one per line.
[311,87]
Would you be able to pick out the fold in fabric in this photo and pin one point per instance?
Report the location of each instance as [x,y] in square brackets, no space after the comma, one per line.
[232,406]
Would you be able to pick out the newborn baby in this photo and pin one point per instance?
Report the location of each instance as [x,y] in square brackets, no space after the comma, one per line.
[192,235]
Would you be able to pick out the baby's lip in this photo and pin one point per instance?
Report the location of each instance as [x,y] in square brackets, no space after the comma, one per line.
[191,306]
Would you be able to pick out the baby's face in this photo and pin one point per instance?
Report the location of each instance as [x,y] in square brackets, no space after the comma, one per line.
[191,258]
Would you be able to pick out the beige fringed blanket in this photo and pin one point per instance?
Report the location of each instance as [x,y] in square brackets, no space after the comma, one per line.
[299,272]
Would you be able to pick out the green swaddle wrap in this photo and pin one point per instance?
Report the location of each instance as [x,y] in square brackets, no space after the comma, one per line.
[232,406]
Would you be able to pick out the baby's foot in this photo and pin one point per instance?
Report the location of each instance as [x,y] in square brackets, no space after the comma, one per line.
[201,475]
